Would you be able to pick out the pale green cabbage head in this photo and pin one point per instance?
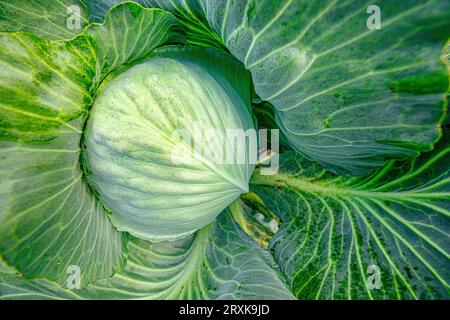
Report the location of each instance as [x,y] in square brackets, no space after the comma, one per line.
[157,183]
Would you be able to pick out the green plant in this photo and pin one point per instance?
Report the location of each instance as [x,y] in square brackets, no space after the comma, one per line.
[89,183]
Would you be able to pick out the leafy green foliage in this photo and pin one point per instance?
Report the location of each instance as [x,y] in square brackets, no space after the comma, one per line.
[360,206]
[344,93]
[141,31]
[216,263]
[335,228]
[47,19]
[48,218]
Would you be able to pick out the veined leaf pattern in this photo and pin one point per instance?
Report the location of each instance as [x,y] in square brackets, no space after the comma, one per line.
[218,262]
[335,228]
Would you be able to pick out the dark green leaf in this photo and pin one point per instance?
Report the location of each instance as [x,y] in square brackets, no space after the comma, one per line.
[336,228]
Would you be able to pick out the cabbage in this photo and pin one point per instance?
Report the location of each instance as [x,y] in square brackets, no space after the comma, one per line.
[217,149]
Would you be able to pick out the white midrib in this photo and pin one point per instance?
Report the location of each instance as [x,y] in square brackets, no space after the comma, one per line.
[286,181]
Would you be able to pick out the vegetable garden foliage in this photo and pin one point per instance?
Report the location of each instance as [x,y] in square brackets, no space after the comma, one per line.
[360,206]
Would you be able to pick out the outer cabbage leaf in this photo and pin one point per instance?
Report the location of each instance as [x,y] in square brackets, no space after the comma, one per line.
[135,127]
[218,262]
[13,286]
[49,219]
[48,19]
[347,97]
[197,30]
[339,232]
